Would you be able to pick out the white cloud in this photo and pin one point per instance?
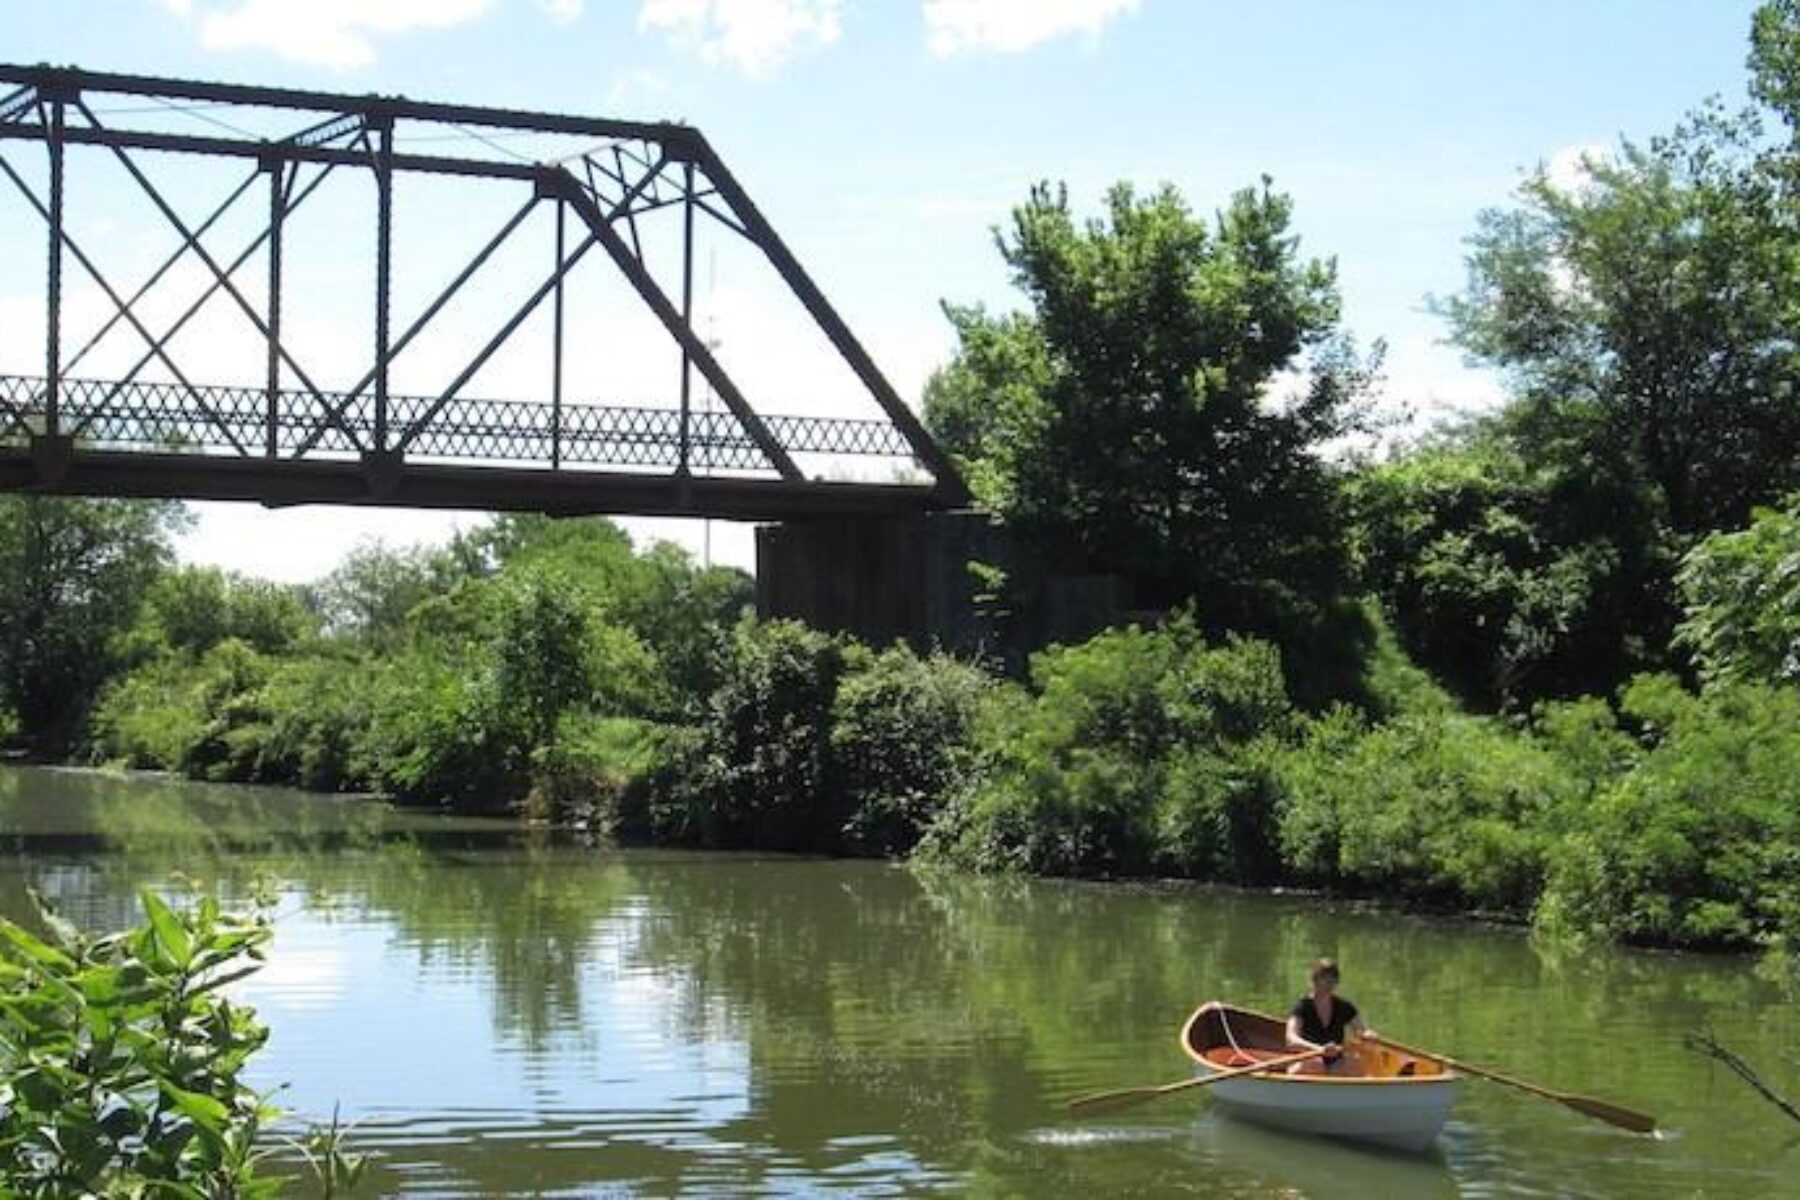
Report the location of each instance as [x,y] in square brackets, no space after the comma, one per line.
[563,12]
[1429,381]
[333,33]
[1009,26]
[1571,169]
[754,36]
[637,87]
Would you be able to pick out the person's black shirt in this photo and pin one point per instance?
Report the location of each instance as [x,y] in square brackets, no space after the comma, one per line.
[1316,1031]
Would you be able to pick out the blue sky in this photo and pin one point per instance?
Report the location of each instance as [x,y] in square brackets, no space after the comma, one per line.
[885,138]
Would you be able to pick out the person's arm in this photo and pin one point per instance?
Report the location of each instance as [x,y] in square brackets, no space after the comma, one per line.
[1359,1028]
[1296,1042]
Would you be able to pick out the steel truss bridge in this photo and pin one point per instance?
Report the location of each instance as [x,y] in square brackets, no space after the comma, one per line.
[159,430]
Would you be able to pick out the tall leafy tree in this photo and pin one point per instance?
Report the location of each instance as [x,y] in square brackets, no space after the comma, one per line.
[369,595]
[1513,576]
[72,574]
[1661,293]
[1644,315]
[193,609]
[1158,408]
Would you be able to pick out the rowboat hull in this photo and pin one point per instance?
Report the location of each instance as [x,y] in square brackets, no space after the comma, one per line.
[1384,1098]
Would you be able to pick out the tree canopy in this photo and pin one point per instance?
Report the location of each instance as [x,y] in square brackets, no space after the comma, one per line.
[1158,408]
[1643,313]
[1661,293]
[72,574]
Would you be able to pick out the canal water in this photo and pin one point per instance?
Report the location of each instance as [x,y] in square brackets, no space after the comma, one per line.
[500,1012]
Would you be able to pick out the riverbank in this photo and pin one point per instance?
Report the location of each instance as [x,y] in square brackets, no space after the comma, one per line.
[549,669]
[1664,819]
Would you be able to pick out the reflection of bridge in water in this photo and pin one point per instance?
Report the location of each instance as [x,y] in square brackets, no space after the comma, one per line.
[636,191]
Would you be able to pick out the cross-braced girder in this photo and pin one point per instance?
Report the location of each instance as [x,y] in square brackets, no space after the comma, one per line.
[290,438]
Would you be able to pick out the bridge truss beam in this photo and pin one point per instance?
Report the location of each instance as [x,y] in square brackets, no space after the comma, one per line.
[179,436]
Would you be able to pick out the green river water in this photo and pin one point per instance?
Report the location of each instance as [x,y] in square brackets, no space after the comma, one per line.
[501,1012]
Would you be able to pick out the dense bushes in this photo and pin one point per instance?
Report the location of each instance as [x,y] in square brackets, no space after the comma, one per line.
[1442,808]
[438,677]
[1155,752]
[234,714]
[813,743]
[1698,842]
[903,739]
[757,773]
[1134,753]
[1674,820]
[545,668]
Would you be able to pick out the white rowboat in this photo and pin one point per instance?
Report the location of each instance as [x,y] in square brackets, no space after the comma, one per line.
[1377,1095]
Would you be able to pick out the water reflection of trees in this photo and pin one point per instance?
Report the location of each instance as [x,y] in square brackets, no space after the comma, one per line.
[849,990]
[500,901]
[523,916]
[934,1020]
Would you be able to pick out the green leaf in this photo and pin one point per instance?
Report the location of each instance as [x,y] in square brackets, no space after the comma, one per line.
[171,935]
[210,1116]
[35,949]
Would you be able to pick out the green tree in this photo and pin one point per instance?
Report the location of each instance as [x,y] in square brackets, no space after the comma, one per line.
[1643,317]
[193,609]
[72,574]
[684,613]
[1134,419]
[757,771]
[1135,752]
[902,743]
[544,654]
[1660,295]
[1741,594]
[1509,574]
[1775,61]
[514,539]
[372,592]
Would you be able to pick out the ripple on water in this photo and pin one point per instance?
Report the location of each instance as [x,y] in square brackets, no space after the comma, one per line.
[1099,1136]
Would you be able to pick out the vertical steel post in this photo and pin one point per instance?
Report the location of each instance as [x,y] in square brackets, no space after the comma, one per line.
[687,309]
[556,350]
[384,230]
[277,210]
[53,315]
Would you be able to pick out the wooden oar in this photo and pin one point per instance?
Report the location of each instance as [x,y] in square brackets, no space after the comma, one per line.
[1603,1110]
[1105,1102]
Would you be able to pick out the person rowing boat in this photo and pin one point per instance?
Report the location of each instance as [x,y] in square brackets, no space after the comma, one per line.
[1320,1020]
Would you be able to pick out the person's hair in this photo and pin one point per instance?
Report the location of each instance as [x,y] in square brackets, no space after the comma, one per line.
[1325,966]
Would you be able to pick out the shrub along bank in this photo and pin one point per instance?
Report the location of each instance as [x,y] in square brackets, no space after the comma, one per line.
[507,674]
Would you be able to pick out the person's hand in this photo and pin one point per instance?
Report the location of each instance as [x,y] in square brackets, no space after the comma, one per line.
[1332,1050]
[1369,1035]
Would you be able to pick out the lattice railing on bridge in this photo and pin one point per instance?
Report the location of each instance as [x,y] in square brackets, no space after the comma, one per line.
[174,418]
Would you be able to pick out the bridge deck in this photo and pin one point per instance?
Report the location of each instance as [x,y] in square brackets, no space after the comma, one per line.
[296,447]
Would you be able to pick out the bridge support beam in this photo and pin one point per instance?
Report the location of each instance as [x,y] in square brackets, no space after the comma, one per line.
[51,454]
